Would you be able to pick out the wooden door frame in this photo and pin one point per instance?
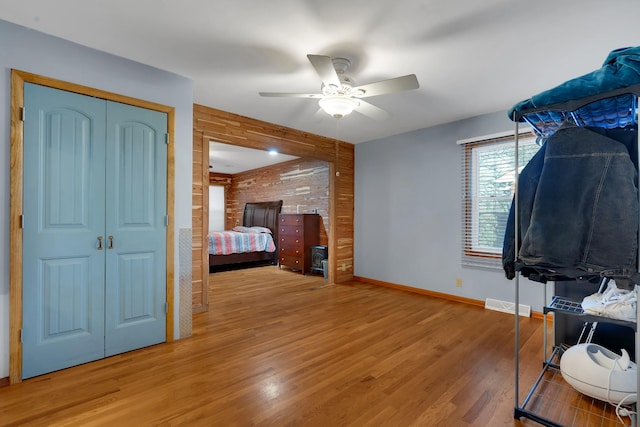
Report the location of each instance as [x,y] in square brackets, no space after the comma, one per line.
[211,124]
[18,79]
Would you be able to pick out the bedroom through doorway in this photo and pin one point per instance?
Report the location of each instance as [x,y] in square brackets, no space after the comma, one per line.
[211,124]
[240,176]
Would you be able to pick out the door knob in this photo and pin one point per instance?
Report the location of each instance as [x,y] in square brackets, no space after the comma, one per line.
[99,243]
[110,242]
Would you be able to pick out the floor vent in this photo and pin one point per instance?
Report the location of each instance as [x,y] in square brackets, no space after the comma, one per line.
[506,307]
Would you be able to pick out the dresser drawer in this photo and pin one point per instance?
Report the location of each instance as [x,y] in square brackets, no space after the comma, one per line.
[291,219]
[290,241]
[291,250]
[291,230]
[291,261]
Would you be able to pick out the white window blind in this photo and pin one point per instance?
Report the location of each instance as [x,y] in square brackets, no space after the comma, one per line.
[488,184]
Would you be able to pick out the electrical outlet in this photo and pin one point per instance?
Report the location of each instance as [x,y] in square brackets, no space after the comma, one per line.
[458,282]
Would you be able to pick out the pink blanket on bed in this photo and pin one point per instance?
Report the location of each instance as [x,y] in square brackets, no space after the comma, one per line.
[232,242]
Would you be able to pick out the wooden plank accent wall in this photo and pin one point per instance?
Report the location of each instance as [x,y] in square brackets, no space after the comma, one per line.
[200,212]
[212,124]
[302,184]
[342,190]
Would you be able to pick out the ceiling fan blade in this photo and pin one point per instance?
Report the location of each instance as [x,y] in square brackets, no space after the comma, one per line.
[291,95]
[325,69]
[398,84]
[371,110]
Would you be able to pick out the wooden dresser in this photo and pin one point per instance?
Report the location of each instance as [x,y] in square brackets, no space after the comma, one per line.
[296,235]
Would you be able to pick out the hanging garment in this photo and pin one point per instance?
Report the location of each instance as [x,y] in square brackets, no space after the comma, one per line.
[583,218]
[527,186]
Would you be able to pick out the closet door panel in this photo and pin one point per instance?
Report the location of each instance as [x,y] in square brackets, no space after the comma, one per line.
[136,229]
[63,268]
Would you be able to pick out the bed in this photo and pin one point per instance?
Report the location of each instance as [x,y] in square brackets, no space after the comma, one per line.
[230,247]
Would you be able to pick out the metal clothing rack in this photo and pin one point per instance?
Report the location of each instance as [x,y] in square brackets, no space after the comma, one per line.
[611,109]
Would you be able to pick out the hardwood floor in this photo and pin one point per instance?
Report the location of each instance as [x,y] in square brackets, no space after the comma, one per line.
[281,349]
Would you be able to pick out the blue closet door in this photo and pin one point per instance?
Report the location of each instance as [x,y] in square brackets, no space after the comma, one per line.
[136,204]
[94,238]
[64,216]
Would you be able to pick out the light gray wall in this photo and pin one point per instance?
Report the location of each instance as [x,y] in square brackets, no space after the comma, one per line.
[37,53]
[408,213]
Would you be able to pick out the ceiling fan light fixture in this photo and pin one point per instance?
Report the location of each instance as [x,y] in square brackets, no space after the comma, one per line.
[339,95]
[338,106]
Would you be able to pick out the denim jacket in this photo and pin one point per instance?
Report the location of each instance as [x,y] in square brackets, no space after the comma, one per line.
[527,186]
[581,218]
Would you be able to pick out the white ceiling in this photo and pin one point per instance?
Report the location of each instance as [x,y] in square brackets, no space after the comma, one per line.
[231,159]
[471,57]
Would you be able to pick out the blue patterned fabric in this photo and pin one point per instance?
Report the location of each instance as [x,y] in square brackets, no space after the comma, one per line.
[621,69]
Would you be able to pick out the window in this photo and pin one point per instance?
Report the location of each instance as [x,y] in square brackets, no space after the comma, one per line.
[216,208]
[488,188]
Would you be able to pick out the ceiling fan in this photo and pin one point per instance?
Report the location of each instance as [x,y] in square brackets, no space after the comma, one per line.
[339,96]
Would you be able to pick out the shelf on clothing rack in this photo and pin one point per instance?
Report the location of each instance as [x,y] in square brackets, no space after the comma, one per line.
[567,306]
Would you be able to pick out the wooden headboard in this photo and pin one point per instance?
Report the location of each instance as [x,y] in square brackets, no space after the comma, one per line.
[263,214]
